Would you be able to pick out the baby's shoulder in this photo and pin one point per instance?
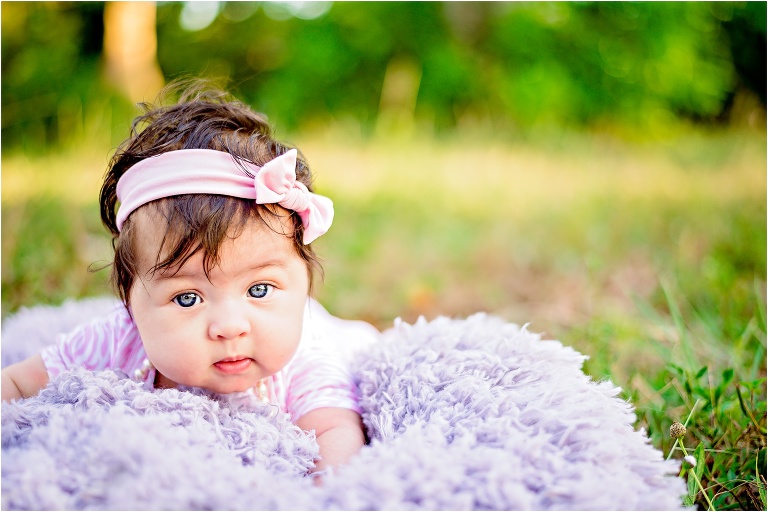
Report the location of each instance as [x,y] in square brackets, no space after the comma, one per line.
[109,341]
[116,325]
[324,331]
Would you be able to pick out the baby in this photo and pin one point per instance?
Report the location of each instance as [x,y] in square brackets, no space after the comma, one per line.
[212,221]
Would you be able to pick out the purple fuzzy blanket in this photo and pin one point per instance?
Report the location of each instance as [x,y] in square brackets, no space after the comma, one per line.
[462,414]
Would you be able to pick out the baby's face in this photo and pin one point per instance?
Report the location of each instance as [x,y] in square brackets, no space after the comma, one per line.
[228,333]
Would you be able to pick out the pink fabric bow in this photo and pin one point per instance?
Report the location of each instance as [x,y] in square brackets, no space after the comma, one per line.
[206,171]
[276,183]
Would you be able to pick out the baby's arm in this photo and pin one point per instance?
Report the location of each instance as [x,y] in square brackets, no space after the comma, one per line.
[339,434]
[24,379]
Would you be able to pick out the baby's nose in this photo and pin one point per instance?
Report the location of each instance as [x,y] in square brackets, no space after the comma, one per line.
[229,325]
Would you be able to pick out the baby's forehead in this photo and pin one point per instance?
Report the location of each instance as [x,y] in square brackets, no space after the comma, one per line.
[154,238]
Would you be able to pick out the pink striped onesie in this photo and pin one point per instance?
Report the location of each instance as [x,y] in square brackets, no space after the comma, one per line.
[317,375]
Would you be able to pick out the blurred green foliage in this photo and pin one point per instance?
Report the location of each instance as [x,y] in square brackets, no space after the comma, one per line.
[631,67]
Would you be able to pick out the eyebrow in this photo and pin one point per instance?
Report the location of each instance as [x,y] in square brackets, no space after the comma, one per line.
[186,274]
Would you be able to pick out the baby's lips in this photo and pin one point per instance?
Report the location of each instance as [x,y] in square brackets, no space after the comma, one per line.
[233,365]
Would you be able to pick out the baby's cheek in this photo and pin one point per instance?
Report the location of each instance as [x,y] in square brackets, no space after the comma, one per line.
[182,374]
[179,363]
[282,355]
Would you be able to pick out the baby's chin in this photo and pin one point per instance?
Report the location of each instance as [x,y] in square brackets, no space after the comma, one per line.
[226,388]
[222,388]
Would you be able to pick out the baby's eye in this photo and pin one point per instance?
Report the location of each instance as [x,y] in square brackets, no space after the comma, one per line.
[187,300]
[259,291]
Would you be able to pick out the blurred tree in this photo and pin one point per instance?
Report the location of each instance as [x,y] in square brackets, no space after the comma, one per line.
[745,28]
[130,49]
[512,66]
[609,62]
[49,55]
[52,84]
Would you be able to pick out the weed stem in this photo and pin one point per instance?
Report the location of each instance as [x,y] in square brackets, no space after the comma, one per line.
[692,472]
[677,440]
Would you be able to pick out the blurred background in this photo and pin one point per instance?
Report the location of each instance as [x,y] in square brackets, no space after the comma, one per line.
[597,170]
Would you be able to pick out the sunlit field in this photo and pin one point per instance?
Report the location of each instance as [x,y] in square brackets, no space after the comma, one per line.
[650,258]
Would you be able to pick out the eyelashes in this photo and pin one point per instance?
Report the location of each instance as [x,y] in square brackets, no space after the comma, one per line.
[189,299]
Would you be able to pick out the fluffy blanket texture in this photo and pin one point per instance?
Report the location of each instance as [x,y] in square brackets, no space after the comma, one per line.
[462,414]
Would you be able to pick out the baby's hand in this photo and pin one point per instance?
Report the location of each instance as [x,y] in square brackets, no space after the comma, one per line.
[24,379]
[317,477]
[339,434]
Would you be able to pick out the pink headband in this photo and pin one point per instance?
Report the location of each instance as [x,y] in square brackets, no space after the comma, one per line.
[206,171]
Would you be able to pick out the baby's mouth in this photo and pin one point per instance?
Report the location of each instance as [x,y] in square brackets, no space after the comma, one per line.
[233,365]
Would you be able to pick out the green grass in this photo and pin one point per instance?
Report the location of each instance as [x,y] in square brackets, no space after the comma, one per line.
[650,258]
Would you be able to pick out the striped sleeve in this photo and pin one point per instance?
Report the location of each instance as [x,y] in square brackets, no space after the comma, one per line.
[316,378]
[105,343]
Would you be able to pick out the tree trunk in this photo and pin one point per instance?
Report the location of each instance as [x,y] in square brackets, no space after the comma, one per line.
[130,49]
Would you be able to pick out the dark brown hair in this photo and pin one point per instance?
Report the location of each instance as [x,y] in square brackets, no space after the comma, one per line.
[203,117]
